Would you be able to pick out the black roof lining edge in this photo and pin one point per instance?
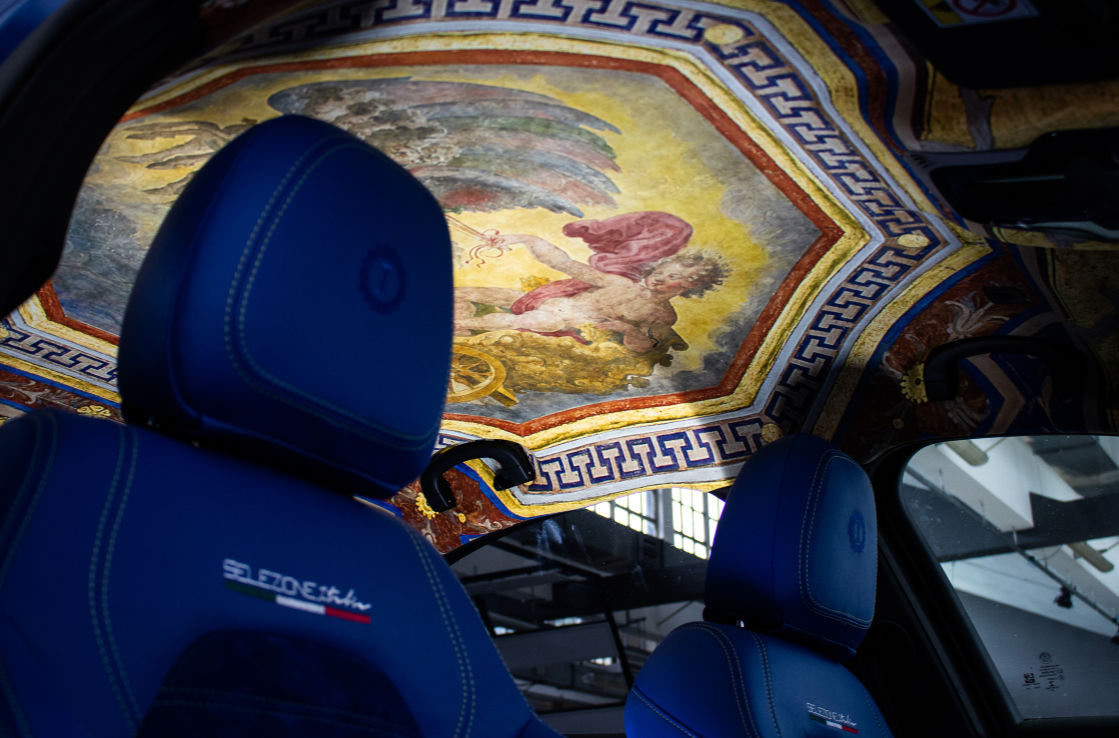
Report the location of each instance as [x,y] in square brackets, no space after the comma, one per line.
[95,58]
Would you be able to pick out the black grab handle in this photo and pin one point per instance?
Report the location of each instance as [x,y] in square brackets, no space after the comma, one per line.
[1065,362]
[515,462]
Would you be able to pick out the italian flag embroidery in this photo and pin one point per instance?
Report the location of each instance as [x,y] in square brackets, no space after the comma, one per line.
[833,724]
[296,604]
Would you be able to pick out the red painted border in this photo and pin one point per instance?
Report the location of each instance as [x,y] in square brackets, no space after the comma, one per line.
[830,231]
[53,308]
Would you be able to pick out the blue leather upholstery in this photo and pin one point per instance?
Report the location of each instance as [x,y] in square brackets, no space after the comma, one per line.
[282,254]
[796,549]
[121,547]
[309,690]
[794,561]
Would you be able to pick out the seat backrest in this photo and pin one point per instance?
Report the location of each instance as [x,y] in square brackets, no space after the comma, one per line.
[206,568]
[789,595]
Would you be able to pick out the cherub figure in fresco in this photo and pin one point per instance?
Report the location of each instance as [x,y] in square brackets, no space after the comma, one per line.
[627,286]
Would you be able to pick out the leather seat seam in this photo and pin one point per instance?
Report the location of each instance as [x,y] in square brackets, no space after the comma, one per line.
[663,715]
[16,710]
[33,502]
[94,571]
[768,676]
[461,654]
[263,381]
[874,711]
[805,546]
[738,679]
[134,447]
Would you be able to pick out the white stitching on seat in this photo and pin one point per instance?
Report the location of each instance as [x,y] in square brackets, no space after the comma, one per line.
[114,651]
[27,484]
[461,653]
[768,680]
[738,680]
[662,715]
[8,692]
[874,711]
[95,556]
[359,425]
[805,545]
[267,210]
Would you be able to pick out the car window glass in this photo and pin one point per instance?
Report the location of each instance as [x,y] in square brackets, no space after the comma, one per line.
[1026,529]
[577,601]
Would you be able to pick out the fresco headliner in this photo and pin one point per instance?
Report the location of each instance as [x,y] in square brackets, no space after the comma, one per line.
[742,161]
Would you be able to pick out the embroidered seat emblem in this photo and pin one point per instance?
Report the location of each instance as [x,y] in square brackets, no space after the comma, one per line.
[382,279]
[838,720]
[318,599]
[856,532]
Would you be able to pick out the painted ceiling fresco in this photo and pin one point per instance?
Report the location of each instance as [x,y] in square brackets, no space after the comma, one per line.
[680,230]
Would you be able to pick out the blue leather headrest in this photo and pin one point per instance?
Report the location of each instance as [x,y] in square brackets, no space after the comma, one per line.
[795,553]
[296,306]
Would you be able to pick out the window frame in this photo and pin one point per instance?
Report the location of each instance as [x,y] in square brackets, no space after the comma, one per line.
[938,615]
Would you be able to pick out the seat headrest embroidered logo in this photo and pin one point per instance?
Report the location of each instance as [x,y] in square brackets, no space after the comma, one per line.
[856,531]
[298,594]
[839,720]
[382,279]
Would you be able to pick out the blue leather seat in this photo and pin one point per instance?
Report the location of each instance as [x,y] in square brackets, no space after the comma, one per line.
[789,594]
[205,569]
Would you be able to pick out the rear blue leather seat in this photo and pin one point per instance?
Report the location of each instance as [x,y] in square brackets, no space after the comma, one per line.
[205,570]
[790,594]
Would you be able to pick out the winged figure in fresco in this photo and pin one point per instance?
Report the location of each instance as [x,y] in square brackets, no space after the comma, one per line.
[477,147]
[487,148]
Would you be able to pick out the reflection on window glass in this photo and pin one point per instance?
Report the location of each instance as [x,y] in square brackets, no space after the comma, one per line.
[685,518]
[1026,530]
[637,511]
[694,517]
[576,602]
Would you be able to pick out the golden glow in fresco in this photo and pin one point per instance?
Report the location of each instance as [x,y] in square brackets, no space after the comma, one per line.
[621,142]
[643,250]
[680,231]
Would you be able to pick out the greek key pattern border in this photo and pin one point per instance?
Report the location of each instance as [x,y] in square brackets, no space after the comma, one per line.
[753,60]
[729,442]
[759,66]
[644,456]
[43,350]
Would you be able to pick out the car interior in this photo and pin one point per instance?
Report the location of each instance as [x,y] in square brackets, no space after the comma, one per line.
[559,367]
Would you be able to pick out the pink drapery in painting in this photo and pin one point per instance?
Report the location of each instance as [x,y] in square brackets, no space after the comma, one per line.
[623,244]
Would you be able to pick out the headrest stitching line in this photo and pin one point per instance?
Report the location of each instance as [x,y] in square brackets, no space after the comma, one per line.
[245,250]
[808,525]
[359,426]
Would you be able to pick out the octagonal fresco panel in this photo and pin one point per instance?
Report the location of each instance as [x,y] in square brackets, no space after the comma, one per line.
[717,158]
